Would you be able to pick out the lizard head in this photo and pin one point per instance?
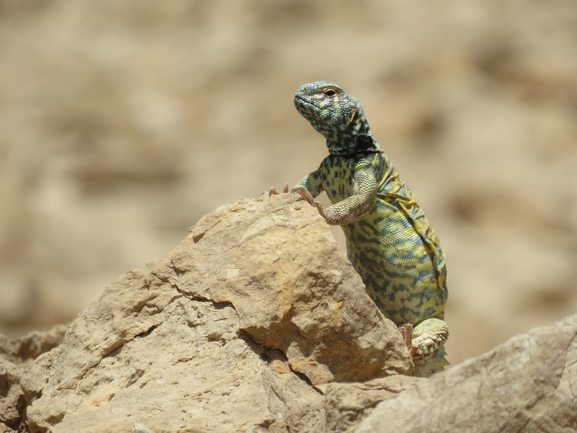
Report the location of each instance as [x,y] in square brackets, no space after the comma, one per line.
[336,115]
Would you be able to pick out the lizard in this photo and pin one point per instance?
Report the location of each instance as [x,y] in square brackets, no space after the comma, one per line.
[389,241]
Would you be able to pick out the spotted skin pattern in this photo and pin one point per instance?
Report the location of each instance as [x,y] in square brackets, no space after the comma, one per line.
[389,241]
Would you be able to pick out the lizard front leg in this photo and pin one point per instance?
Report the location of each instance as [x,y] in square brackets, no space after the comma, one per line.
[309,187]
[351,208]
[304,193]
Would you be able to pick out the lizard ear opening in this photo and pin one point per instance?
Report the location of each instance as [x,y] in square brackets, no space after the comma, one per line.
[353,118]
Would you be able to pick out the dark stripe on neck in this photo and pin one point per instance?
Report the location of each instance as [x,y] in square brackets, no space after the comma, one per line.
[353,152]
[363,145]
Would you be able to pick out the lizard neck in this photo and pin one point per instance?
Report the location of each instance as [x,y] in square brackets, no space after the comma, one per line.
[357,145]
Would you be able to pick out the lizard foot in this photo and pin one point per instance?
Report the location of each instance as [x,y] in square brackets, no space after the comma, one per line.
[304,193]
[428,337]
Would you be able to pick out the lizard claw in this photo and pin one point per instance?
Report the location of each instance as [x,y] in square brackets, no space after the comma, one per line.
[425,346]
[407,334]
[304,193]
[423,349]
[423,343]
[273,190]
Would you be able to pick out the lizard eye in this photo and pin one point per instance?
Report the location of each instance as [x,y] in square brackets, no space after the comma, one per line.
[330,91]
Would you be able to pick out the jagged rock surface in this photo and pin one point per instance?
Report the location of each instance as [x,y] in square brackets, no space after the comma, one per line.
[12,401]
[27,348]
[528,384]
[347,404]
[239,328]
[256,322]
[15,354]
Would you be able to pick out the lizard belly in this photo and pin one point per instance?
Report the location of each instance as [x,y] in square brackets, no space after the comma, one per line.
[392,247]
[395,265]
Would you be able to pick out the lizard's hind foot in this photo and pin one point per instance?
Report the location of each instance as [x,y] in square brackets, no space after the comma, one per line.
[428,347]
[428,337]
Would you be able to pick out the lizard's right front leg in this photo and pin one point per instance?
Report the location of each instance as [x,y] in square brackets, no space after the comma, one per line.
[351,208]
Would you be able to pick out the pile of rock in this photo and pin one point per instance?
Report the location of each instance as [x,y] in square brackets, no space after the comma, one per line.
[257,322]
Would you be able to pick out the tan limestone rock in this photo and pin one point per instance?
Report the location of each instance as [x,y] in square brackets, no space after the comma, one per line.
[528,384]
[28,347]
[256,322]
[236,329]
[15,354]
[347,404]
[12,401]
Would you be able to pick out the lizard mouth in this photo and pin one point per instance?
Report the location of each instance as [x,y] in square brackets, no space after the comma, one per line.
[303,101]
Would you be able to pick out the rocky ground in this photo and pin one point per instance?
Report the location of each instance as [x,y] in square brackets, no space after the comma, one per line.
[256,322]
[122,123]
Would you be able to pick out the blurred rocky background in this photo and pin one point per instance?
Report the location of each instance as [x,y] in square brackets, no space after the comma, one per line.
[123,122]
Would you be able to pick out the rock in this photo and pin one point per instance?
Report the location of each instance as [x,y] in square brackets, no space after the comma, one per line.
[14,355]
[239,328]
[12,401]
[347,404]
[30,346]
[527,384]
[256,322]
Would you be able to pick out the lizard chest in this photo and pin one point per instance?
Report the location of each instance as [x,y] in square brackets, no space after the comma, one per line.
[337,175]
